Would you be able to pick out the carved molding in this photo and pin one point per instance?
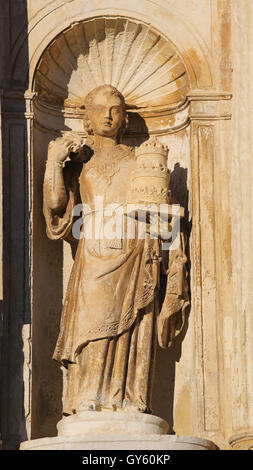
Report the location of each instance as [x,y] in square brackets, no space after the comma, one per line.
[51,119]
[18,104]
[210,106]
[204,283]
[242,441]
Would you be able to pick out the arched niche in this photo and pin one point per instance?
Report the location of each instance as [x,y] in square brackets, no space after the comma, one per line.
[148,69]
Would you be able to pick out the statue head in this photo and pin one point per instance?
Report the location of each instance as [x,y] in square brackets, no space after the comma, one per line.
[105,113]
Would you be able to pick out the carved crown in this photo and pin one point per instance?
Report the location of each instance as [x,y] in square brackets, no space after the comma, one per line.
[152,146]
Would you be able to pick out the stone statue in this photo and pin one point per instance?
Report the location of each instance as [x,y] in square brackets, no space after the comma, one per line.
[114,312]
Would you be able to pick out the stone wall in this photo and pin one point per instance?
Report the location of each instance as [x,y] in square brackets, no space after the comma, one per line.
[205,380]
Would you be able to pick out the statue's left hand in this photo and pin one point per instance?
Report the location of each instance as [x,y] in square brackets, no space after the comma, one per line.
[60,149]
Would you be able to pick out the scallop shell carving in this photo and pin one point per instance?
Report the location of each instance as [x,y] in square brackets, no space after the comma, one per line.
[133,57]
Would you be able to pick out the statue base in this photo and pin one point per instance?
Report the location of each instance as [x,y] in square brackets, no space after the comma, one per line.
[111,422]
[115,430]
[114,442]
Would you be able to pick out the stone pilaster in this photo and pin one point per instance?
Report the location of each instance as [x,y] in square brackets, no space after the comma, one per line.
[210,115]
[16,353]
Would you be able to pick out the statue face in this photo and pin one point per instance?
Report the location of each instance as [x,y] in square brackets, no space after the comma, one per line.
[106,114]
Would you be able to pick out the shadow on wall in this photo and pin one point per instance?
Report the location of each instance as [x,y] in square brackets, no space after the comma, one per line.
[166,359]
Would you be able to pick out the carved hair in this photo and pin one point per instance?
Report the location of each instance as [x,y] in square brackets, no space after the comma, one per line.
[88,103]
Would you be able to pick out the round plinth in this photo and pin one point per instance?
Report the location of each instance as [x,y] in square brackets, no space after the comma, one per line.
[115,442]
[242,441]
[111,422]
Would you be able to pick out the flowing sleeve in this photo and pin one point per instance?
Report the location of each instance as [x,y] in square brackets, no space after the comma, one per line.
[171,318]
[59,224]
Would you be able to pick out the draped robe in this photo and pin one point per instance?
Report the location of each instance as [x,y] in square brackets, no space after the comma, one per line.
[112,318]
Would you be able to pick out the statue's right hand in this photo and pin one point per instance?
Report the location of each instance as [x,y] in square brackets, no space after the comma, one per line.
[60,148]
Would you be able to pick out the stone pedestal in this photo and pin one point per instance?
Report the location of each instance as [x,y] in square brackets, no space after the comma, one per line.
[242,441]
[119,442]
[108,430]
[111,422]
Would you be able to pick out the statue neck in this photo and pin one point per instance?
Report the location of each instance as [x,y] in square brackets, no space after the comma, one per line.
[102,142]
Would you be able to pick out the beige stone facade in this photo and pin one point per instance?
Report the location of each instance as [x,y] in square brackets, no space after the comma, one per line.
[184,68]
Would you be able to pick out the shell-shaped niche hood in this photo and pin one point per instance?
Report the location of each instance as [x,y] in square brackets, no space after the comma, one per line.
[142,64]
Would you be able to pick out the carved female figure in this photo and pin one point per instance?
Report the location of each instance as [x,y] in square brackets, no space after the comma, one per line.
[112,315]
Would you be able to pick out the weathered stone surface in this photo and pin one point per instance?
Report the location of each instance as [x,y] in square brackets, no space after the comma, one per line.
[134,442]
[210,162]
[111,422]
